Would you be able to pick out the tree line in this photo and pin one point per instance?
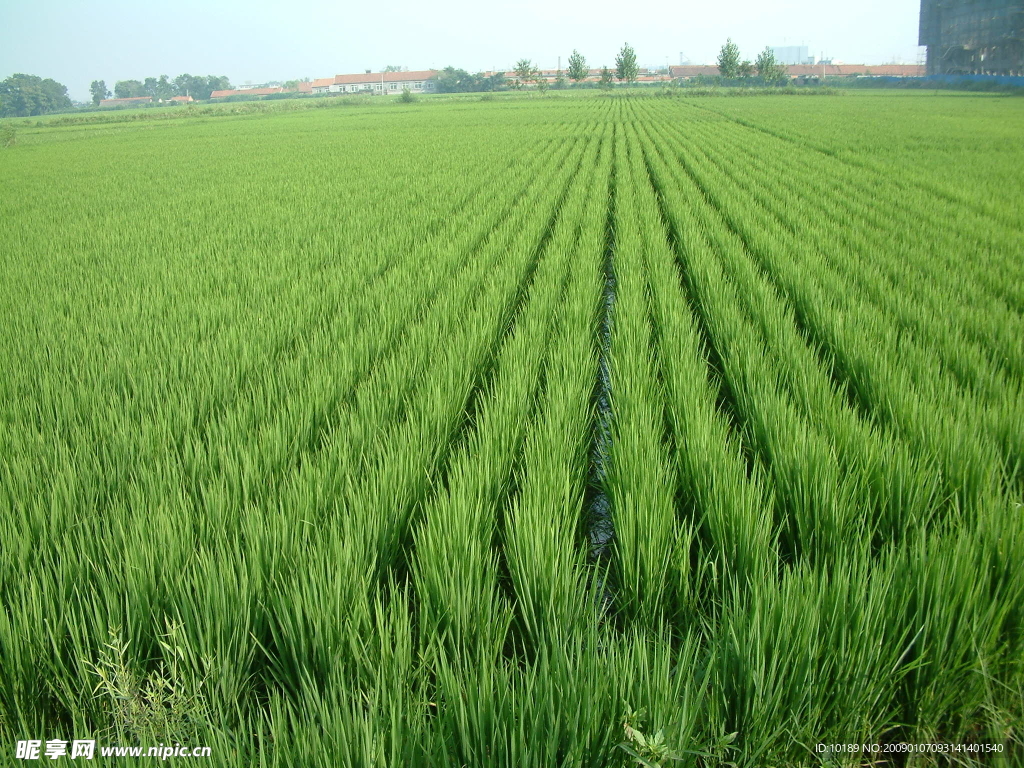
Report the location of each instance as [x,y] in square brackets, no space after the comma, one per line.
[24,95]
[196,86]
[626,70]
[731,67]
[29,95]
[452,80]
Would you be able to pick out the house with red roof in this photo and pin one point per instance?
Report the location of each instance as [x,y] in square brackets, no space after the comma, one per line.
[134,101]
[420,81]
[246,92]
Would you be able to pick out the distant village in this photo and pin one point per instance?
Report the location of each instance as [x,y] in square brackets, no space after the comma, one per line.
[426,81]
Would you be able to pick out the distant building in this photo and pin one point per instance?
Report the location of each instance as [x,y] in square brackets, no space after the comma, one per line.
[136,101]
[857,70]
[323,85]
[973,37]
[246,92]
[792,54]
[421,81]
[686,71]
[815,70]
[180,99]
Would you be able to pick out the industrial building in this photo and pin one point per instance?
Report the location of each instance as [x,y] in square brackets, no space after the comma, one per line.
[973,37]
[792,54]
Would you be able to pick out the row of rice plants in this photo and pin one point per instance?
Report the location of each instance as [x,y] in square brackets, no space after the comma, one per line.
[464,619]
[161,581]
[939,281]
[726,498]
[930,347]
[767,644]
[913,395]
[941,307]
[813,495]
[651,549]
[958,177]
[371,497]
[890,481]
[895,580]
[932,245]
[545,520]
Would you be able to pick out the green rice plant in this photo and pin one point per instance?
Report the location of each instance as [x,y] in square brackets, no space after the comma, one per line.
[730,509]
[814,500]
[649,542]
[370,523]
[1002,412]
[934,285]
[539,539]
[970,481]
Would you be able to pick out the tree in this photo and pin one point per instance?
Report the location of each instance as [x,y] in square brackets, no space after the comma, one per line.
[606,78]
[577,67]
[729,60]
[392,68]
[161,88]
[526,72]
[625,64]
[99,91]
[495,82]
[165,89]
[30,95]
[452,80]
[198,87]
[129,89]
[746,68]
[769,69]
[214,83]
[181,85]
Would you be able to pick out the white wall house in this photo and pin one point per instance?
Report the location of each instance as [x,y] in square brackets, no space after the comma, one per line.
[421,81]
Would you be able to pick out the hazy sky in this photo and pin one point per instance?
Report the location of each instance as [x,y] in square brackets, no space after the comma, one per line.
[76,42]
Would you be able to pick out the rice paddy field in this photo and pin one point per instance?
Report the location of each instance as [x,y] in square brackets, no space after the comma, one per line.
[565,431]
